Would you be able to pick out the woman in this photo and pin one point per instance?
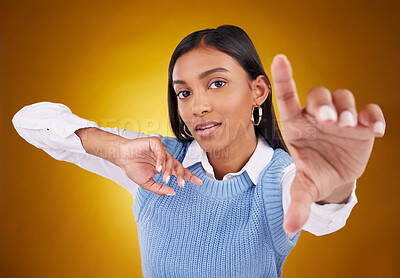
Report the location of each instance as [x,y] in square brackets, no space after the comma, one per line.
[227,221]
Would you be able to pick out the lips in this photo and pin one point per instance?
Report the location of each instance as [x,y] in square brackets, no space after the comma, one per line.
[206,125]
[208,130]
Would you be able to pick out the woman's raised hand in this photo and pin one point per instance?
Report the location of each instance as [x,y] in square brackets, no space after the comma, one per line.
[142,158]
[329,142]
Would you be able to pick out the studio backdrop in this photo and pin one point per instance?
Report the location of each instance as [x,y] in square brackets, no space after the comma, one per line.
[108,60]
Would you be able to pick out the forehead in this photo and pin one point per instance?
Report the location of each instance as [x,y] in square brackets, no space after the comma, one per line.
[199,60]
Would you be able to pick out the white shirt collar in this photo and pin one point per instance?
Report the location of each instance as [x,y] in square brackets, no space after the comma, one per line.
[256,164]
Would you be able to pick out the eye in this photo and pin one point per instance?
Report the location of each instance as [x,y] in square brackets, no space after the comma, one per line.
[185,94]
[181,93]
[218,83]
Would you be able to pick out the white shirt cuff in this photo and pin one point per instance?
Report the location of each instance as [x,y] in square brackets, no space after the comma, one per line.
[328,218]
[324,219]
[56,125]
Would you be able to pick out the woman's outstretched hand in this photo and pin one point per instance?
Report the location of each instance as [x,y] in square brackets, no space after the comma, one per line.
[329,142]
[142,158]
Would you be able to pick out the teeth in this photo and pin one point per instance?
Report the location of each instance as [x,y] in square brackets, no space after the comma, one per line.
[207,126]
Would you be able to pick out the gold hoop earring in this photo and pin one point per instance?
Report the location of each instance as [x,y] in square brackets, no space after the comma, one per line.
[259,115]
[184,134]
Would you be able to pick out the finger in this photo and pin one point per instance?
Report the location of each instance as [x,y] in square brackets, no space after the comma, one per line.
[179,174]
[319,104]
[299,210]
[169,168]
[192,177]
[160,164]
[345,105]
[372,116]
[157,188]
[285,88]
[158,150]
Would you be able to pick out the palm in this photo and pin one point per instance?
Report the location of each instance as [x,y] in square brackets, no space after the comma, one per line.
[142,158]
[325,153]
[328,151]
[138,160]
[140,172]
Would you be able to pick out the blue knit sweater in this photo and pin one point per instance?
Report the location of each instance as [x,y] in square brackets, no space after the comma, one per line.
[230,228]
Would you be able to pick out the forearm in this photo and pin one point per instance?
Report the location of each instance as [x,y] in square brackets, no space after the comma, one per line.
[101,143]
[340,195]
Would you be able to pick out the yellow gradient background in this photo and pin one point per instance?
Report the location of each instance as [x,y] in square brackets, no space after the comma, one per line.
[107,61]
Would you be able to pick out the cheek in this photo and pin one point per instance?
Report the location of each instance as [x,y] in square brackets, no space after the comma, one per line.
[236,116]
[184,110]
[238,108]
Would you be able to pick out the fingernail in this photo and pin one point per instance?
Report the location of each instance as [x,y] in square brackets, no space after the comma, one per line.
[183,183]
[171,194]
[379,127]
[159,168]
[283,56]
[196,180]
[347,119]
[327,113]
[167,179]
[291,235]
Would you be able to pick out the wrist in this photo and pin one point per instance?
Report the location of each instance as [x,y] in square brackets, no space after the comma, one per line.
[340,195]
[101,143]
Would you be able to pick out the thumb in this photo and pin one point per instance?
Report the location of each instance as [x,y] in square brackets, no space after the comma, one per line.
[300,206]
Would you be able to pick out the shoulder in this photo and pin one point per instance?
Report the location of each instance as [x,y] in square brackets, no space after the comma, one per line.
[280,158]
[279,161]
[271,192]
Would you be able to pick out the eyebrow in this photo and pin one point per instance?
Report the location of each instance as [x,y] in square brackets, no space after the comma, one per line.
[202,75]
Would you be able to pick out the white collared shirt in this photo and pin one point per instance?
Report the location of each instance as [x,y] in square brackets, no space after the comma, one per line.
[257,162]
[51,127]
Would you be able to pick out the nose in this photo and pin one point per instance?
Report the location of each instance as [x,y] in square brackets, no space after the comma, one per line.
[200,104]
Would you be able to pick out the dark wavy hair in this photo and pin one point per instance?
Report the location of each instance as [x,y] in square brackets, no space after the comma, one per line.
[233,41]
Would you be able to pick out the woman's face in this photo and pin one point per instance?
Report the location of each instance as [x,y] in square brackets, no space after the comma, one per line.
[211,86]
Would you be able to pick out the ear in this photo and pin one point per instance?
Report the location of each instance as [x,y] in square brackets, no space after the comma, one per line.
[260,90]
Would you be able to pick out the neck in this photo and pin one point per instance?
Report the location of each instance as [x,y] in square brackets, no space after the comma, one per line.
[233,158]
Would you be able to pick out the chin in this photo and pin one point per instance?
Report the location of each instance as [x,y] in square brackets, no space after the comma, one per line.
[211,145]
